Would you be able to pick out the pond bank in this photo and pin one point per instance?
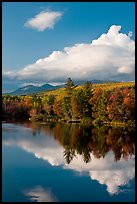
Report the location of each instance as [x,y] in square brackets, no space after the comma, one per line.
[88,121]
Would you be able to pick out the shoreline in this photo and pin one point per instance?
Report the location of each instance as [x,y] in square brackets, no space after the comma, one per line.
[84,121]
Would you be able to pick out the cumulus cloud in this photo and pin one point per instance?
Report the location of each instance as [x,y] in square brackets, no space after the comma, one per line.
[39,194]
[44,20]
[105,170]
[111,56]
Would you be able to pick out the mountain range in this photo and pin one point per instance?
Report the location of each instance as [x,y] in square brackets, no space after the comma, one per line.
[31,89]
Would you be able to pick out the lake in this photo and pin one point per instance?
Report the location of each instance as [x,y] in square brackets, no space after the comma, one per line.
[67,162]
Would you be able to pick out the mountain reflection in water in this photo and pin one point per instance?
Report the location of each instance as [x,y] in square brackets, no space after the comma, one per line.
[107,154]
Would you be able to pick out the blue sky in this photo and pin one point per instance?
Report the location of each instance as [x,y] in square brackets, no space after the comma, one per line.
[78,24]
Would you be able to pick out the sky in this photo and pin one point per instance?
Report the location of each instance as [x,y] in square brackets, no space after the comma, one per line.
[47,42]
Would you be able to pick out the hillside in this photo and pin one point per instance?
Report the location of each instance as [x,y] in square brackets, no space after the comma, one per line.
[104,86]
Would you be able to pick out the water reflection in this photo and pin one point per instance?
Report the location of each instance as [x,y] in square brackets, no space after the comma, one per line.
[84,140]
[105,153]
[39,194]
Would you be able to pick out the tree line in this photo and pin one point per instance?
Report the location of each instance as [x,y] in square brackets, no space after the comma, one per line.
[75,105]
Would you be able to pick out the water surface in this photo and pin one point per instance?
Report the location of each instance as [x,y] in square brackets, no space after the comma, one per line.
[67,162]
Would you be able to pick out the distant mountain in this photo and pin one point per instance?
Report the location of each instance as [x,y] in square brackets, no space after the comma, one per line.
[31,89]
[94,81]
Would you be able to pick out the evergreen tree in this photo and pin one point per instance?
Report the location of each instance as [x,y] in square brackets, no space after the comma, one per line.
[77,104]
[69,86]
[88,92]
[66,104]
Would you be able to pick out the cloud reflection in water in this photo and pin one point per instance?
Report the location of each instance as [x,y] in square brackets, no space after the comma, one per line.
[105,170]
[39,194]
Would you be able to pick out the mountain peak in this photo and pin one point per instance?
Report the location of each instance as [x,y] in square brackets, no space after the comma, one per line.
[31,89]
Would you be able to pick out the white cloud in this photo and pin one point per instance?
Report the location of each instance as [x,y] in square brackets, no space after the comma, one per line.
[104,170]
[107,57]
[34,84]
[111,56]
[8,74]
[39,194]
[40,84]
[43,20]
[56,84]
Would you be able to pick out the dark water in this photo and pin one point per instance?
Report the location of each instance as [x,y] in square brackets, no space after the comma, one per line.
[66,162]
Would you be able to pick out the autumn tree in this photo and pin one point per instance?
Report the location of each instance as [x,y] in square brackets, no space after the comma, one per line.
[129,105]
[48,106]
[57,107]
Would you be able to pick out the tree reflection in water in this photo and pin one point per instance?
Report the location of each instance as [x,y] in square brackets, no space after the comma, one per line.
[84,140]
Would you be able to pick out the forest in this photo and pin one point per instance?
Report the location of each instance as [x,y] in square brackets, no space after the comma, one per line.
[110,103]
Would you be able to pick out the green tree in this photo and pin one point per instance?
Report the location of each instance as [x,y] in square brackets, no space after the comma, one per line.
[66,103]
[99,103]
[69,86]
[77,104]
[87,94]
